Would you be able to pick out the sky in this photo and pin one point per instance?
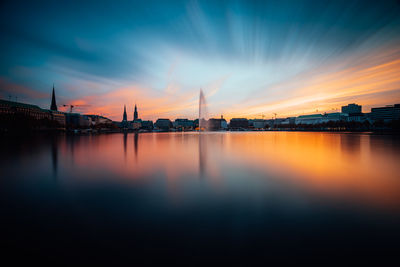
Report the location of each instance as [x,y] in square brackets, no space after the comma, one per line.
[251,58]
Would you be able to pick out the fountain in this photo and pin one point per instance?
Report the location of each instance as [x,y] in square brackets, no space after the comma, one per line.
[203,113]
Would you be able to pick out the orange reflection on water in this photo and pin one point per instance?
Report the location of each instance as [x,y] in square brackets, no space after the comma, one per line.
[357,167]
[346,165]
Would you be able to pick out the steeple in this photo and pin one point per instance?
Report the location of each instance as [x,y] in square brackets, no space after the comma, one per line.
[124,118]
[53,101]
[135,114]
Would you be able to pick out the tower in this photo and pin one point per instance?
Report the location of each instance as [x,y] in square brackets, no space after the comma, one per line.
[135,114]
[53,101]
[124,118]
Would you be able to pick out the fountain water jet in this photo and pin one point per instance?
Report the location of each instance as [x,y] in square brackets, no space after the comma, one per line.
[203,115]
[203,112]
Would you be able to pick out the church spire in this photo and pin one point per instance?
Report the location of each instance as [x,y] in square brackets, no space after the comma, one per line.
[53,101]
[124,118]
[135,114]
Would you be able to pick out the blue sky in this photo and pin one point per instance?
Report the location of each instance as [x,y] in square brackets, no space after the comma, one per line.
[252,58]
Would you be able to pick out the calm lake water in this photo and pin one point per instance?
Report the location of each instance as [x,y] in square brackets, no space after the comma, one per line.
[238,196]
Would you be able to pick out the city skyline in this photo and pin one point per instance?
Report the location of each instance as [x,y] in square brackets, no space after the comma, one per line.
[250,58]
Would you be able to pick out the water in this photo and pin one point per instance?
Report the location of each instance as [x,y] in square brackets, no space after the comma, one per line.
[240,196]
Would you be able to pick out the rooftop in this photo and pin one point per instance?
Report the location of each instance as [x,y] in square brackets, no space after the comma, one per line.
[18,104]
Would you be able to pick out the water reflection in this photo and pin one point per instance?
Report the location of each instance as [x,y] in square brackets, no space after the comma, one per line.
[54,154]
[125,138]
[136,144]
[202,154]
[351,143]
[259,191]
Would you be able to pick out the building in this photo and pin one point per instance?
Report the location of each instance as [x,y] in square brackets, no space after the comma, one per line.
[163,124]
[135,114]
[309,119]
[217,124]
[76,120]
[335,116]
[147,125]
[279,121]
[257,123]
[53,105]
[124,122]
[58,117]
[357,117]
[98,120]
[288,121]
[388,113]
[137,124]
[269,123]
[237,123]
[13,108]
[124,116]
[183,124]
[351,108]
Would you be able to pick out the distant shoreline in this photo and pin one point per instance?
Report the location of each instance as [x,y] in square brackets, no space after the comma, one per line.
[89,133]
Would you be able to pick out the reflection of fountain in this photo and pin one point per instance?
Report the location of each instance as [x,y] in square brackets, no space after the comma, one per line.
[202,154]
[203,112]
[54,155]
[135,143]
[125,141]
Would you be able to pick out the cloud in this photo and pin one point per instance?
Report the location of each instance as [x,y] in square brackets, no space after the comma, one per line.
[23,93]
[371,81]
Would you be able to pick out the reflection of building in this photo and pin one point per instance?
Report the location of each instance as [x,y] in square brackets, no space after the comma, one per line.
[351,108]
[163,124]
[386,113]
[239,123]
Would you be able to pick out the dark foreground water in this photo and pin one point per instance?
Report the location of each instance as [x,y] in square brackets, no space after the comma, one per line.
[240,197]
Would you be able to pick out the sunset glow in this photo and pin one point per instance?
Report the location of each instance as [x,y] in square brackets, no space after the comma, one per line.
[250,58]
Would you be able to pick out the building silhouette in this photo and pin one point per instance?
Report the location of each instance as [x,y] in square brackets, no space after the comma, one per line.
[388,113]
[237,123]
[135,114]
[53,101]
[124,116]
[163,124]
[215,124]
[351,108]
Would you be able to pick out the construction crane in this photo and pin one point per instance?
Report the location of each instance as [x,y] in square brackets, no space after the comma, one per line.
[71,107]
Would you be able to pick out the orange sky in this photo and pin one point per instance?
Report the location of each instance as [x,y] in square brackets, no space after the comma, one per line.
[371,79]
